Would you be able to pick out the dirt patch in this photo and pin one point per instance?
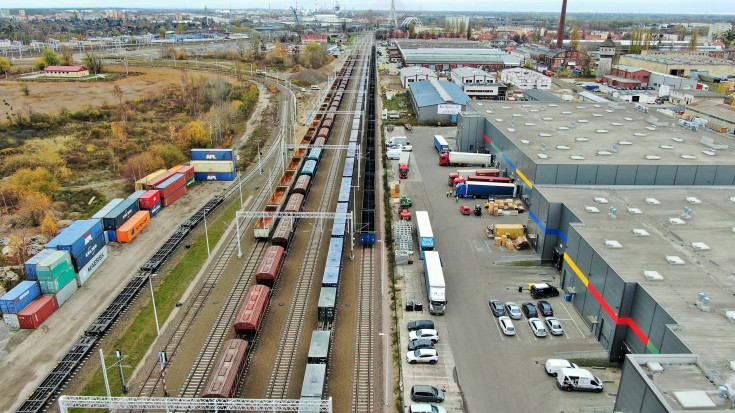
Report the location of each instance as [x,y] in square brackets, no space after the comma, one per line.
[310,76]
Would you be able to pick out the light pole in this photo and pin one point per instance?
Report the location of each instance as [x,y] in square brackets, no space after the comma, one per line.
[206,231]
[260,166]
[387,360]
[153,300]
[382,270]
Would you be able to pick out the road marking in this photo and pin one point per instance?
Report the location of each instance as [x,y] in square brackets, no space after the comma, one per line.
[500,331]
[572,319]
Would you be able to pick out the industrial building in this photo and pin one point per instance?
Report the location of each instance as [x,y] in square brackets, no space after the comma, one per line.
[681,65]
[662,79]
[538,95]
[447,54]
[688,96]
[415,74]
[523,78]
[66,71]
[719,115]
[436,101]
[478,84]
[588,96]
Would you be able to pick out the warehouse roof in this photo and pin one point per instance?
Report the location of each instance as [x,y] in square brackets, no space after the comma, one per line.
[621,79]
[630,69]
[701,242]
[699,93]
[682,60]
[594,133]
[417,70]
[469,71]
[462,56]
[539,95]
[439,44]
[436,92]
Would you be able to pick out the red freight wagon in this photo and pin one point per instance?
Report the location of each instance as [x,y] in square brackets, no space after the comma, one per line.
[149,199]
[320,142]
[37,311]
[323,133]
[174,196]
[478,178]
[283,232]
[253,308]
[302,185]
[327,123]
[270,265]
[294,203]
[228,370]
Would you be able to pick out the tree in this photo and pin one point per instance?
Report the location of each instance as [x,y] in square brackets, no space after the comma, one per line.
[49,225]
[33,206]
[138,166]
[39,63]
[469,32]
[314,55]
[50,57]
[412,30]
[179,29]
[39,180]
[67,56]
[162,32]
[462,27]
[4,65]
[728,37]
[280,50]
[694,40]
[193,135]
[170,154]
[92,62]
[344,26]
[575,38]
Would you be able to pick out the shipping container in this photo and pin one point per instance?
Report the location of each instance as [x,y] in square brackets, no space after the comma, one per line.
[77,235]
[65,293]
[211,176]
[53,286]
[213,166]
[118,216]
[137,194]
[89,268]
[88,252]
[175,169]
[107,208]
[327,304]
[173,197]
[30,265]
[37,312]
[130,229]
[212,155]
[11,320]
[150,198]
[190,181]
[19,297]
[53,265]
[141,183]
[155,209]
[111,235]
[170,185]
[187,170]
[157,181]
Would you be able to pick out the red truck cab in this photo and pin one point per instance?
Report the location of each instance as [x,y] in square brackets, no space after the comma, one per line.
[444,159]
[452,177]
[403,170]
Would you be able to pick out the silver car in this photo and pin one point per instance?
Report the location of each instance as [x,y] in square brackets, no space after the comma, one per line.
[513,310]
[537,326]
[554,326]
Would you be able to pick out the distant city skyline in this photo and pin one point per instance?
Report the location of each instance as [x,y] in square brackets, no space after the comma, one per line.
[574,6]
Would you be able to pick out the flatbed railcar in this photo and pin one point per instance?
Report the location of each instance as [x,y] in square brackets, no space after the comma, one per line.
[252,311]
[228,370]
[270,265]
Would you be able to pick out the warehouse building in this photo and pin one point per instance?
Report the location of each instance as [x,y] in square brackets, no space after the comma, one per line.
[523,78]
[415,74]
[688,96]
[437,101]
[662,79]
[478,84]
[681,65]
[447,54]
[538,95]
[719,116]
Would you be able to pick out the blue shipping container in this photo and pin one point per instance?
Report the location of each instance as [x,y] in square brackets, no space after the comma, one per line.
[121,213]
[212,155]
[19,297]
[331,277]
[88,253]
[137,194]
[76,236]
[170,181]
[215,176]
[31,263]
[111,236]
[336,244]
[155,209]
[107,208]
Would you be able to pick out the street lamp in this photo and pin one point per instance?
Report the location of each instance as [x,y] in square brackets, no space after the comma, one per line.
[387,360]
[260,167]
[153,299]
[382,271]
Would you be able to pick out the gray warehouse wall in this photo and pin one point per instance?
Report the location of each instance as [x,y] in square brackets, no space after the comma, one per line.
[639,397]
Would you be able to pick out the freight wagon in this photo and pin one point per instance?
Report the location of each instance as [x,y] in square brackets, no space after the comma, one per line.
[302,185]
[319,347]
[294,203]
[270,266]
[309,168]
[228,370]
[327,305]
[283,232]
[314,381]
[252,311]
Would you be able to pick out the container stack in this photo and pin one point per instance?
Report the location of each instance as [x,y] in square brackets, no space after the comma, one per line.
[213,164]
[151,202]
[107,208]
[133,226]
[15,300]
[188,172]
[142,183]
[118,216]
[172,188]
[30,265]
[85,242]
[55,272]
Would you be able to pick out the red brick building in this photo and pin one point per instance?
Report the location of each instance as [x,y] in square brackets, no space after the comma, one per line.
[632,73]
[563,57]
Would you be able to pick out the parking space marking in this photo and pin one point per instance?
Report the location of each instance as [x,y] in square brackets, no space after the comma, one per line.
[572,319]
[500,331]
[479,246]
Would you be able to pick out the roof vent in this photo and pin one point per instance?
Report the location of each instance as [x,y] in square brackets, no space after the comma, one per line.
[544,135]
[613,214]
[511,129]
[601,200]
[525,141]
[676,221]
[628,119]
[731,199]
[711,143]
[693,200]
[634,211]
[680,140]
[687,156]
[562,147]
[529,124]
[625,143]
[675,260]
[653,201]
[651,128]
[479,104]
[653,275]
[601,130]
[596,105]
[666,146]
[597,115]
[709,152]
[581,139]
[542,156]
[652,157]
[498,119]
[583,121]
[506,107]
[566,112]
[641,232]
[703,301]
[563,128]
[580,107]
[604,153]
[488,111]
[591,209]
[577,157]
[700,246]
[526,105]
[547,118]
[687,213]
[553,105]
[517,115]
[616,123]
[611,243]
[639,134]
[533,110]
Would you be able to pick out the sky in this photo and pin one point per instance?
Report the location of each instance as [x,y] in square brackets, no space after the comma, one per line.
[599,6]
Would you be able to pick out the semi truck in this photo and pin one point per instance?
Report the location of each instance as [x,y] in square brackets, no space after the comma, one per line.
[403,164]
[426,235]
[462,173]
[465,158]
[435,286]
[476,189]
[441,144]
[397,140]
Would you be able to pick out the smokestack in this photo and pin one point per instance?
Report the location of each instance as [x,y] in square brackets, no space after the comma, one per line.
[562,19]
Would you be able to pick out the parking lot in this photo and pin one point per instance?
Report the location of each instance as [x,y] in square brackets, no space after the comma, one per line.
[481,367]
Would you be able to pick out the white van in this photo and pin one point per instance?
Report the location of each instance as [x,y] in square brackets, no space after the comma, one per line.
[394,153]
[554,365]
[578,379]
[314,87]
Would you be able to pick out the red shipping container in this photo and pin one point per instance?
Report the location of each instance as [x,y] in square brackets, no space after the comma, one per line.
[159,179]
[188,171]
[174,196]
[173,187]
[150,198]
[37,311]
[176,168]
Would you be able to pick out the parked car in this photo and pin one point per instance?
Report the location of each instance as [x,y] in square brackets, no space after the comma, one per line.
[497,308]
[506,325]
[529,310]
[537,326]
[545,308]
[426,393]
[554,326]
[420,343]
[513,310]
[419,324]
[428,333]
[543,290]
[465,210]
[424,355]
[426,408]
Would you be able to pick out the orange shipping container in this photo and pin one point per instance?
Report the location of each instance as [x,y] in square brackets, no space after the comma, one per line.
[133,226]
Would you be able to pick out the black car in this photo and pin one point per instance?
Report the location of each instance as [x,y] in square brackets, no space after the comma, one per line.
[424,393]
[545,308]
[420,324]
[419,344]
[529,310]
[497,308]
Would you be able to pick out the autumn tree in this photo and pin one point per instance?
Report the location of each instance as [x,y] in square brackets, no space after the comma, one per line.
[162,32]
[39,180]
[4,65]
[179,29]
[49,225]
[314,55]
[694,40]
[138,166]
[67,56]
[50,57]
[168,153]
[33,206]
[92,62]
[193,135]
[119,130]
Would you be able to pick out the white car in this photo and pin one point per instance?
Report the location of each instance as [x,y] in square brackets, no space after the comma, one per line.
[537,326]
[405,148]
[423,355]
[506,325]
[427,333]
[513,310]
[554,326]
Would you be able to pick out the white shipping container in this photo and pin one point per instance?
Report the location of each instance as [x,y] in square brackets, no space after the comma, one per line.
[12,321]
[66,293]
[213,166]
[91,267]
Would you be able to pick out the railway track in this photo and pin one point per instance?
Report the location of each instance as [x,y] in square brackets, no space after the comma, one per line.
[281,372]
[363,373]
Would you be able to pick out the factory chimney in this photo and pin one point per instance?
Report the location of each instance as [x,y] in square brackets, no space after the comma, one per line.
[562,18]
